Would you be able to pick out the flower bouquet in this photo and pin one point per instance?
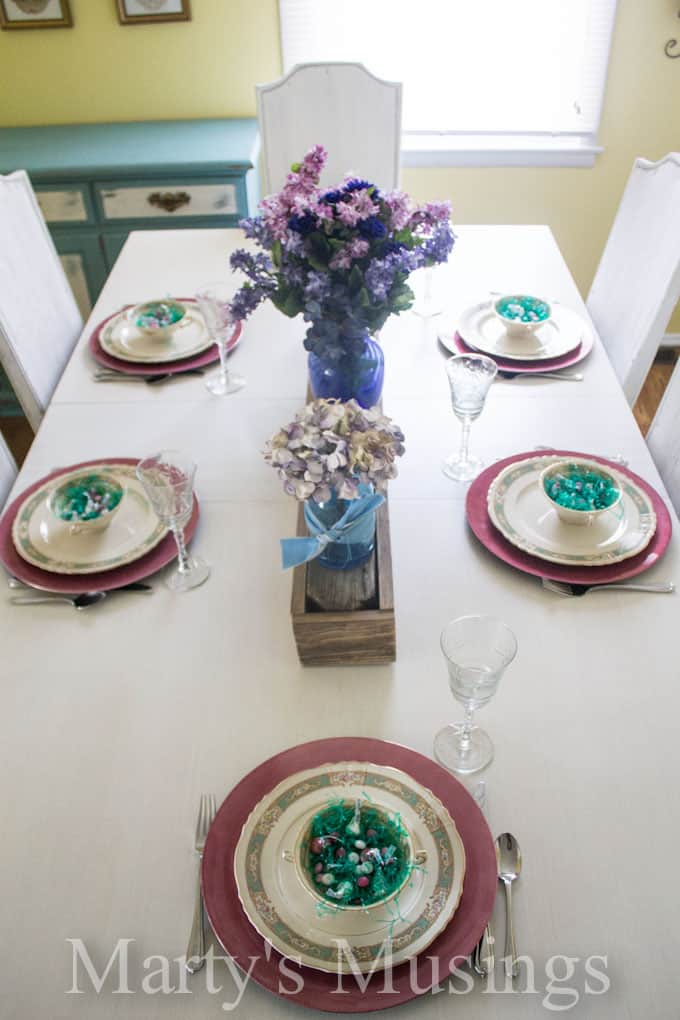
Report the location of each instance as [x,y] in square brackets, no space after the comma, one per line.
[334,457]
[341,258]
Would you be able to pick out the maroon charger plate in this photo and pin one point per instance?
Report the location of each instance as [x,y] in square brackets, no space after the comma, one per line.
[527,367]
[320,990]
[104,580]
[489,536]
[204,358]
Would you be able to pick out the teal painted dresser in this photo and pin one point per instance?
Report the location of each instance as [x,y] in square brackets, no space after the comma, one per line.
[97,182]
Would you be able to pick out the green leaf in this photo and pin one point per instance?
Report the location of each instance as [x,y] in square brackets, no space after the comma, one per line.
[320,248]
[293,305]
[276,253]
[355,280]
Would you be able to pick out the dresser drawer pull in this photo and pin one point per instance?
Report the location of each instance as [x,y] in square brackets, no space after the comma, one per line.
[169,200]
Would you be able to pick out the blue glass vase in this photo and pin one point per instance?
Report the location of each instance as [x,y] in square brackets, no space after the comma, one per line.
[353,548]
[356,376]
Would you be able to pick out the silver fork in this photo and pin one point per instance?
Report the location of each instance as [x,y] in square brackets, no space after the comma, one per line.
[572,590]
[196,947]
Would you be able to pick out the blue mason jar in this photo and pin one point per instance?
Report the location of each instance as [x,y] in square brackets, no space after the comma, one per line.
[353,548]
[358,376]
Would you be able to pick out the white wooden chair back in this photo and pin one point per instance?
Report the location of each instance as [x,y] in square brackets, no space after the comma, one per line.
[8,471]
[39,318]
[342,106]
[637,283]
[663,438]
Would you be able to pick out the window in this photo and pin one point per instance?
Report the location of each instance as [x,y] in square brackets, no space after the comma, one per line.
[512,82]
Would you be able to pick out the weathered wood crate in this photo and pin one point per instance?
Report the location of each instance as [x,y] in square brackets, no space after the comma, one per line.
[346,617]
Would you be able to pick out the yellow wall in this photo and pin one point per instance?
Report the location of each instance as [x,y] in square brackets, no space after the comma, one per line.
[102,71]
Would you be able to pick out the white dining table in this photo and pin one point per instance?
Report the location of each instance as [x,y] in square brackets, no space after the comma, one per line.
[115,720]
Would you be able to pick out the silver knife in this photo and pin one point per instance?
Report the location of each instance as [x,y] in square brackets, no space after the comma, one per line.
[483,959]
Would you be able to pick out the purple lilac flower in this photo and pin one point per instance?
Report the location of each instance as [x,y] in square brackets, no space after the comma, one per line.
[253,265]
[400,208]
[318,286]
[360,206]
[381,272]
[246,300]
[438,247]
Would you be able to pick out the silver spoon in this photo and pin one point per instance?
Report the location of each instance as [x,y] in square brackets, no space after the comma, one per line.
[509,866]
[83,601]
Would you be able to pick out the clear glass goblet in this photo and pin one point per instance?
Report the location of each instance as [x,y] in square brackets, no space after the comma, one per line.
[168,480]
[470,376]
[477,649]
[214,301]
[427,302]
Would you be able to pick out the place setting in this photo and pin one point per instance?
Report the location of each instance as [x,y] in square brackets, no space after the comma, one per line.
[349,856]
[362,863]
[524,334]
[102,526]
[578,521]
[161,339]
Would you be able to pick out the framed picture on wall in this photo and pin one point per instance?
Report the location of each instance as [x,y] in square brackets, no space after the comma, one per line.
[35,14]
[144,12]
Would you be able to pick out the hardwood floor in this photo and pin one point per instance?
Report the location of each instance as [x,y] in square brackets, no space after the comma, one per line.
[655,384]
[19,435]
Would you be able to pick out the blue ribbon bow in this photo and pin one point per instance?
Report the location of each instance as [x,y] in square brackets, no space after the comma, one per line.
[295,551]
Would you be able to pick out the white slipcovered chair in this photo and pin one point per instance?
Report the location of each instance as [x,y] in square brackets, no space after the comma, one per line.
[637,283]
[342,106]
[8,471]
[39,318]
[663,438]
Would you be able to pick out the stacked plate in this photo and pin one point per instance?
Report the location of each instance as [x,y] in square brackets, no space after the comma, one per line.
[118,344]
[565,339]
[256,898]
[510,515]
[42,551]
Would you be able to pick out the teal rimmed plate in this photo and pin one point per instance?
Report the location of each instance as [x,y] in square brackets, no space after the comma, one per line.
[44,541]
[518,508]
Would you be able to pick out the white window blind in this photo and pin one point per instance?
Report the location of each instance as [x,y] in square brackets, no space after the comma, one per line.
[472,67]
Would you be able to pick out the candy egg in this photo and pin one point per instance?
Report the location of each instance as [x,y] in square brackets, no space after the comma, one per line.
[363,882]
[359,844]
[317,844]
[353,858]
[326,878]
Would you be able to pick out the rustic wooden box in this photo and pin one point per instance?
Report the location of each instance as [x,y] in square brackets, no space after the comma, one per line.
[346,617]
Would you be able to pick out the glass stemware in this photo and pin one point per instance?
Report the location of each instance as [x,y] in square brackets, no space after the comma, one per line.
[470,376]
[214,301]
[427,304]
[168,480]
[477,649]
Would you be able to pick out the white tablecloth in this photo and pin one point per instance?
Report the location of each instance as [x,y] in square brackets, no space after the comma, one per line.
[114,721]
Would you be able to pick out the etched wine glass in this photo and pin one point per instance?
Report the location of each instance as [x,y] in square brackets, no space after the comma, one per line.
[478,650]
[470,376]
[168,480]
[214,301]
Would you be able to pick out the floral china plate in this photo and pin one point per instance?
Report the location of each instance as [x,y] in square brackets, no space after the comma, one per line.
[43,540]
[481,329]
[520,511]
[279,904]
[121,339]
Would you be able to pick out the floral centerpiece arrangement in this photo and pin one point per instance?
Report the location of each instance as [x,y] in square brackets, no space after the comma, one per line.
[341,257]
[334,457]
